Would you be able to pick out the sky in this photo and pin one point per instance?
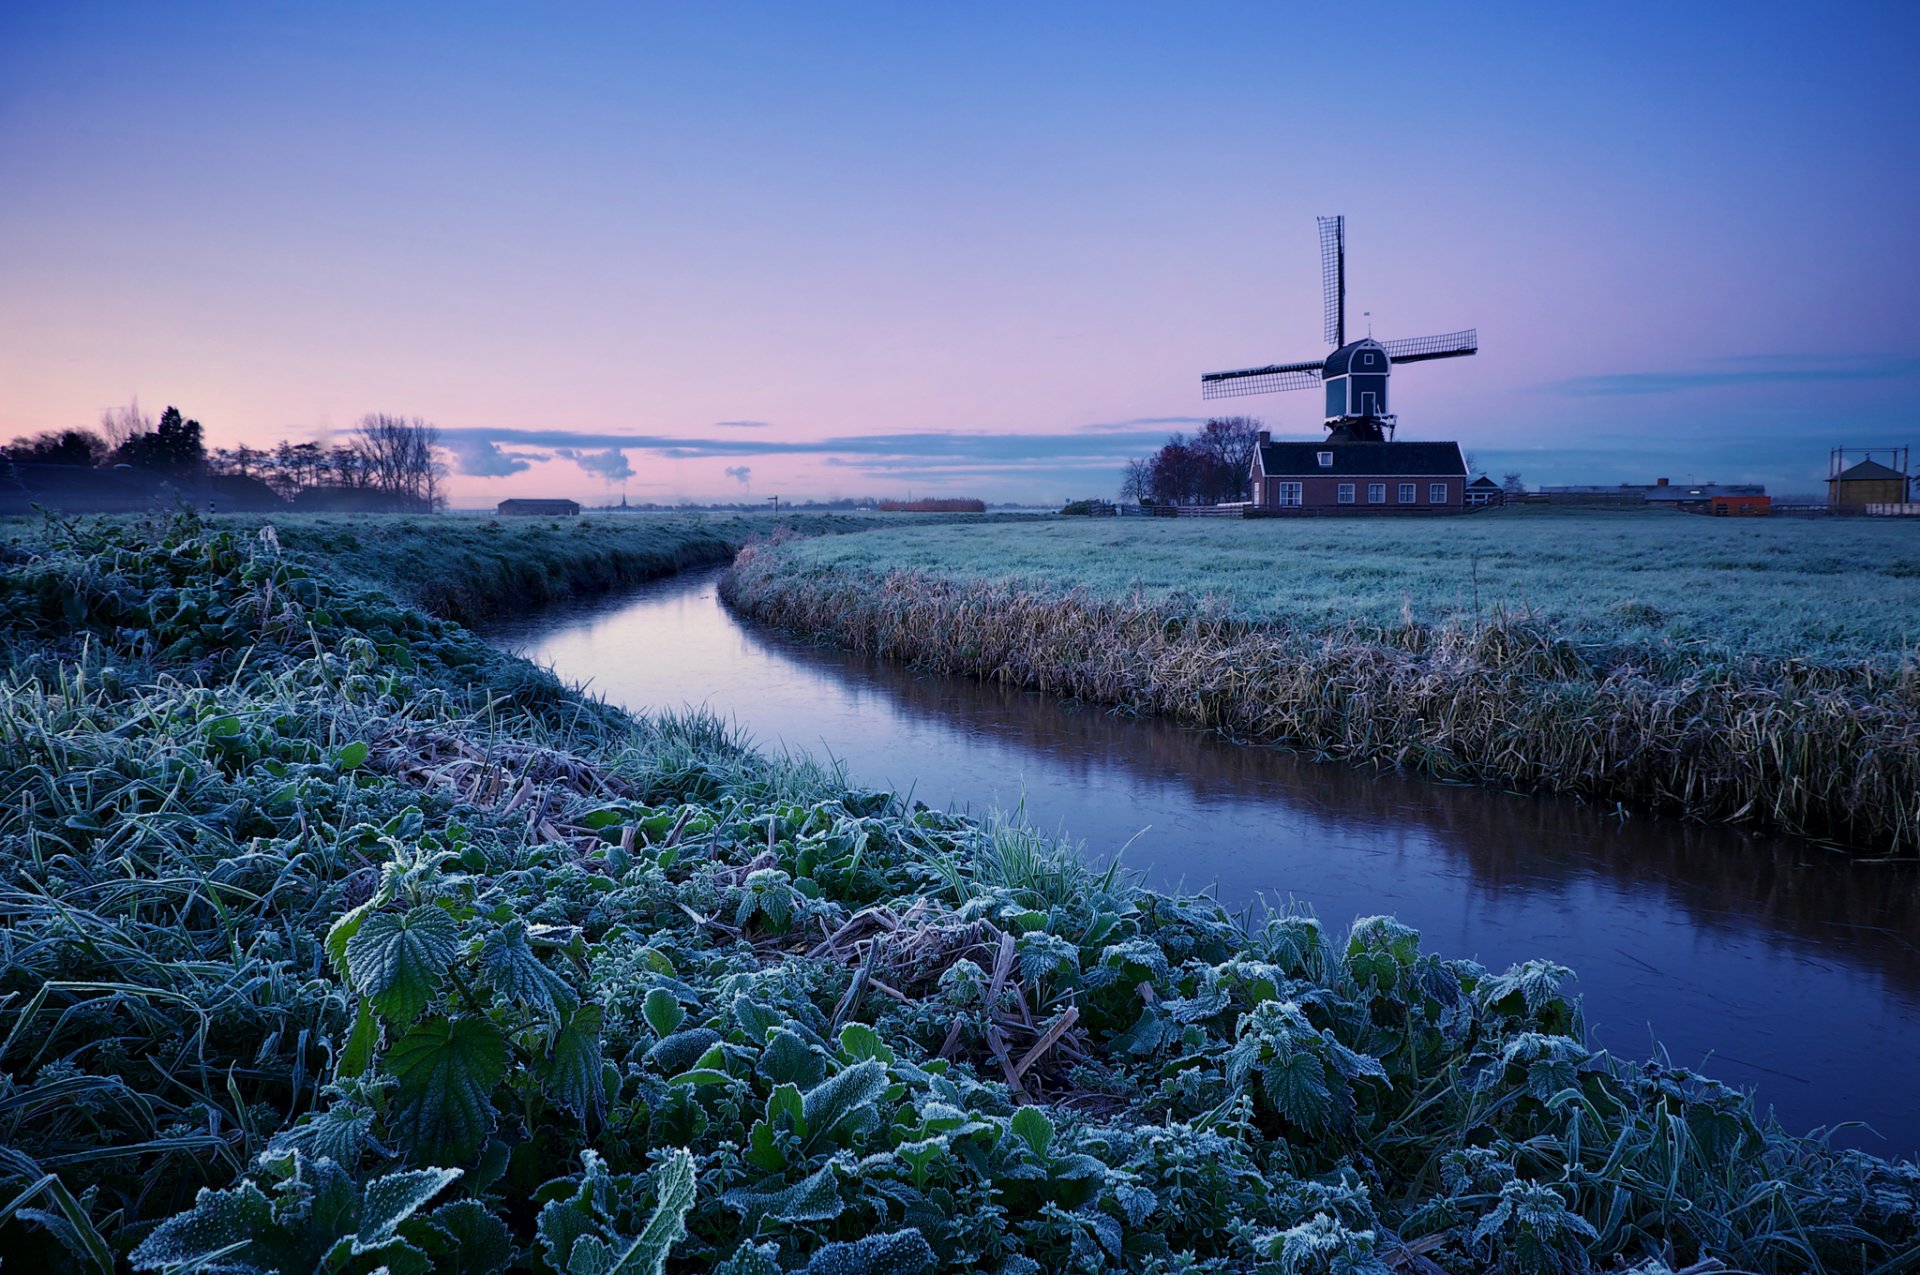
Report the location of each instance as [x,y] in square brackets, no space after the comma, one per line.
[732,251]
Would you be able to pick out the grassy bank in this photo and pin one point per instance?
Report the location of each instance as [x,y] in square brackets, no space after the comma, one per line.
[1747,672]
[334,940]
[471,568]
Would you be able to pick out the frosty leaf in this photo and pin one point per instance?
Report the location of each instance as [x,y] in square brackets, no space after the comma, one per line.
[447,1071]
[895,1253]
[845,1100]
[751,1259]
[1296,1084]
[391,1200]
[788,1059]
[464,1238]
[399,961]
[646,1253]
[815,1198]
[518,974]
[213,1236]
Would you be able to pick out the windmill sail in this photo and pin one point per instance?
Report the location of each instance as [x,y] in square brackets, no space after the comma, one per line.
[1262,380]
[1333,276]
[1450,345]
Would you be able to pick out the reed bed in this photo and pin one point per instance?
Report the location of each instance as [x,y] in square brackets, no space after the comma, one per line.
[1829,751]
[333,940]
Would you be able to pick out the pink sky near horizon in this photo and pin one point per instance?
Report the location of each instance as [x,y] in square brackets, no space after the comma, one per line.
[865,222]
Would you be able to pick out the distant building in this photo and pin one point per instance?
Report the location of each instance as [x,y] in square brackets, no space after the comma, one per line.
[538,508]
[1342,477]
[1712,498]
[1484,493]
[1866,483]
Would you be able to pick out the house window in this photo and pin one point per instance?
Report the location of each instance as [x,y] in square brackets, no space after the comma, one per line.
[1376,493]
[1345,495]
[1437,493]
[1326,459]
[1406,492]
[1289,494]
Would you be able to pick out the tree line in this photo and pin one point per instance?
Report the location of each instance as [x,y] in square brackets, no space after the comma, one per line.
[393,456]
[1212,466]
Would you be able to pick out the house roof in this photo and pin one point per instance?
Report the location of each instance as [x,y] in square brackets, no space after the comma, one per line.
[1870,471]
[1363,460]
[1483,481]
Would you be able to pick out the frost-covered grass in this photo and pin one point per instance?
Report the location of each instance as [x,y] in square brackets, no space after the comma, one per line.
[1839,590]
[332,940]
[1754,671]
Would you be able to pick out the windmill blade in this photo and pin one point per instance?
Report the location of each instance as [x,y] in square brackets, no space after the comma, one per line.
[1333,276]
[1451,345]
[1271,379]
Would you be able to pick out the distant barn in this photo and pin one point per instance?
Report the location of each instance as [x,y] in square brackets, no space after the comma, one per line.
[1866,483]
[538,508]
[1483,493]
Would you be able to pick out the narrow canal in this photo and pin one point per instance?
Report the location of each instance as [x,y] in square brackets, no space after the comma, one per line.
[1767,963]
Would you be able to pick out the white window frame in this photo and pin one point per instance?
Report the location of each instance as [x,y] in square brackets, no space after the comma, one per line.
[1376,493]
[1291,494]
[1436,493]
[1344,493]
[1325,459]
[1409,492]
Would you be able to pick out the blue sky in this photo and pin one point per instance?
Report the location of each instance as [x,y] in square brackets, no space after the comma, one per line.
[695,252]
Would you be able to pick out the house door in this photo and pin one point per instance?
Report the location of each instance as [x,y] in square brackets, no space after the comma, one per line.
[1369,404]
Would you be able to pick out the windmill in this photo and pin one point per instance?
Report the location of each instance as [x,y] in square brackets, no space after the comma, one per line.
[1355,374]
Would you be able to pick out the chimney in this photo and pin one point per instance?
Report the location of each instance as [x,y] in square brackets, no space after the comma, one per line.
[1659,482]
[1266,436]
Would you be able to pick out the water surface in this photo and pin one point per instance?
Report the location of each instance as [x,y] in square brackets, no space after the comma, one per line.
[1767,962]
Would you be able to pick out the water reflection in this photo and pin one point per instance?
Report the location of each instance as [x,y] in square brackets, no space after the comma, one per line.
[1770,962]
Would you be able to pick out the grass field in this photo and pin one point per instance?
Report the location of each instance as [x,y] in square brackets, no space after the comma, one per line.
[1757,671]
[1841,590]
[333,940]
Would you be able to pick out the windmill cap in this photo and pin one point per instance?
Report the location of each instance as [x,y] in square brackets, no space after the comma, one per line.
[1365,355]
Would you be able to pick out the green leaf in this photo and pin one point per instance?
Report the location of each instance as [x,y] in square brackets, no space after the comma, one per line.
[351,756]
[399,961]
[751,1259]
[447,1072]
[859,1042]
[357,1054]
[1031,1126]
[663,1012]
[572,1071]
[341,932]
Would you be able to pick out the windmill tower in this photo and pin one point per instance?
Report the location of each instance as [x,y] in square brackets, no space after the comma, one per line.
[1355,375]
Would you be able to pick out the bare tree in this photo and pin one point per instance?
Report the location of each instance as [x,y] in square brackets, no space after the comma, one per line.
[1136,481]
[1511,484]
[401,457]
[121,425]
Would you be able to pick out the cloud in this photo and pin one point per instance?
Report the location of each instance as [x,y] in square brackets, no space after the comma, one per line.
[740,425]
[1122,438]
[483,458]
[742,473]
[610,465]
[1749,370]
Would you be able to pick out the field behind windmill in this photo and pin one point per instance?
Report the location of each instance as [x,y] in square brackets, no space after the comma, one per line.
[1748,671]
